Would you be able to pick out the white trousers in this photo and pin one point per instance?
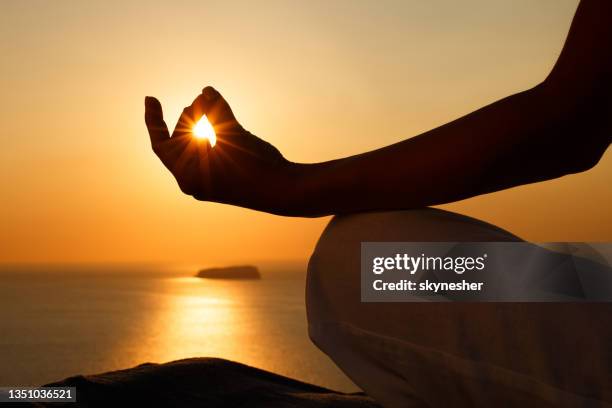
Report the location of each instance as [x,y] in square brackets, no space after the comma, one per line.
[452,354]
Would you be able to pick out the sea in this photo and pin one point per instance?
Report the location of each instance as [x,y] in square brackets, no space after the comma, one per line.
[61,320]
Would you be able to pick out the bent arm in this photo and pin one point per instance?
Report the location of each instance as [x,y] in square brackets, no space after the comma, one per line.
[559,127]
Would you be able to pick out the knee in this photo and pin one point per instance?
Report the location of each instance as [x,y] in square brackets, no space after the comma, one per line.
[333,283]
[333,291]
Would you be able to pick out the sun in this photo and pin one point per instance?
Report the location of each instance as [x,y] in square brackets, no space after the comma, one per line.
[204,130]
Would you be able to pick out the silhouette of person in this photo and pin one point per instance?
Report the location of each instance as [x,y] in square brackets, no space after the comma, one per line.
[431,354]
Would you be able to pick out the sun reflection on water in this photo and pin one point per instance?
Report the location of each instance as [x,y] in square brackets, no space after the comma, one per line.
[126,318]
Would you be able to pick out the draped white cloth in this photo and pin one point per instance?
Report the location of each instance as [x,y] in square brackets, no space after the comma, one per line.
[452,354]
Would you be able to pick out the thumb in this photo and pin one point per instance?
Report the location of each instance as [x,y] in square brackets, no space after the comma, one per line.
[154,118]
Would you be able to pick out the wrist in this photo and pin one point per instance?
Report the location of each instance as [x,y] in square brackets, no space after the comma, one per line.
[303,190]
[297,193]
[320,189]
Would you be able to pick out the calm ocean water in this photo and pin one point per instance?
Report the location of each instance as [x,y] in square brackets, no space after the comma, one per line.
[61,321]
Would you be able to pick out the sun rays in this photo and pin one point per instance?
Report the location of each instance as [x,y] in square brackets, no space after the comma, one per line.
[204,130]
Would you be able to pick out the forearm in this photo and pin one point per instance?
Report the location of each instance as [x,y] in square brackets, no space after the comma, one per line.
[524,138]
[559,127]
[449,163]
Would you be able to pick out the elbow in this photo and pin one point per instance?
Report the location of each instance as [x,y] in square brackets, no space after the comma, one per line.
[586,156]
[576,125]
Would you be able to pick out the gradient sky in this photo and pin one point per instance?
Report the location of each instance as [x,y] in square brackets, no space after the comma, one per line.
[319,79]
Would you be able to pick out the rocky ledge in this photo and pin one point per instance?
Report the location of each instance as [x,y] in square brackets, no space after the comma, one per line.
[201,382]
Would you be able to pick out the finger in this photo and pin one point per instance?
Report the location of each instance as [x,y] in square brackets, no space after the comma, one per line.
[212,104]
[186,122]
[154,118]
[192,114]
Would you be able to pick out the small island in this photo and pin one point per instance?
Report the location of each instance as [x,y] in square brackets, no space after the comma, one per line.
[230,272]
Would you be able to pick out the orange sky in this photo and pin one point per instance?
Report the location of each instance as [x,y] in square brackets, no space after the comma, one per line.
[318,79]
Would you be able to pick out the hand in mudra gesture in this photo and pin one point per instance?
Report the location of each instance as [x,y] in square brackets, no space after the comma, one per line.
[241,169]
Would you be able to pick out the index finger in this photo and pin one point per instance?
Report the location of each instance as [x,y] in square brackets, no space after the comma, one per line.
[190,116]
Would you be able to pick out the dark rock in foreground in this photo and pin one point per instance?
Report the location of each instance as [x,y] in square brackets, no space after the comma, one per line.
[230,272]
[201,382]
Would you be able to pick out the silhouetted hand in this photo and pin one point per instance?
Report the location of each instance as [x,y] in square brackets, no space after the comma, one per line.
[240,169]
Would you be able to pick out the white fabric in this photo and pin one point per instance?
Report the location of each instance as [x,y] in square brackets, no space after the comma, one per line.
[452,354]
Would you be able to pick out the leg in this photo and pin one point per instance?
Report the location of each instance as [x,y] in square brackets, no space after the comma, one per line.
[450,354]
